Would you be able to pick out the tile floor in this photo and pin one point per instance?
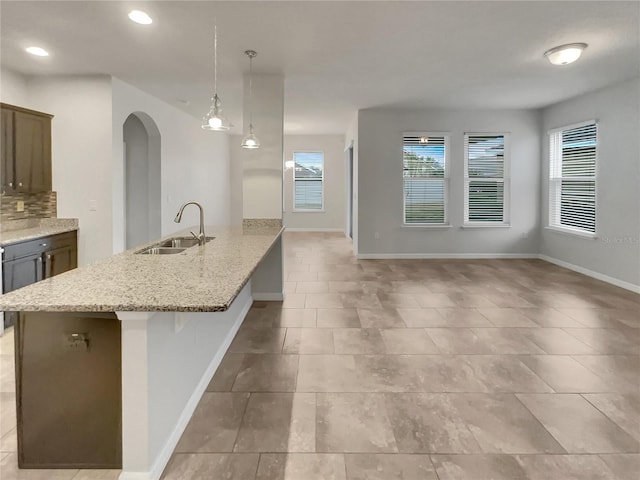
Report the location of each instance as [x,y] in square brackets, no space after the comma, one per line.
[412,370]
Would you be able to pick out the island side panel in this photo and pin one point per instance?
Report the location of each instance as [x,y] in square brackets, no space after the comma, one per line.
[68,390]
[268,279]
[168,361]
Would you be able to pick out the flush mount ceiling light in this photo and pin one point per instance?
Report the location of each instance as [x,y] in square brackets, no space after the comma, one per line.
[214,120]
[140,17]
[250,140]
[37,51]
[565,54]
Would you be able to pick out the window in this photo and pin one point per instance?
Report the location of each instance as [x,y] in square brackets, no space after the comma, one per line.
[425,178]
[308,180]
[486,178]
[572,178]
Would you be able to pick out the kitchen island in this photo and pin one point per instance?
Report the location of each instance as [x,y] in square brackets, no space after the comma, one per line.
[153,327]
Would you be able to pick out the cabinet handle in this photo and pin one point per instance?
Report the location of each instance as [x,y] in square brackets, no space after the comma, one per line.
[48,257]
[39,259]
[20,184]
[43,244]
[11,184]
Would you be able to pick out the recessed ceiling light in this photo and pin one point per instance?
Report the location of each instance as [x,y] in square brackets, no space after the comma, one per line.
[40,52]
[565,54]
[140,17]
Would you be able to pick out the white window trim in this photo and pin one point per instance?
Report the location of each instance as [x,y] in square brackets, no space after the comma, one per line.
[447,141]
[576,232]
[506,180]
[308,210]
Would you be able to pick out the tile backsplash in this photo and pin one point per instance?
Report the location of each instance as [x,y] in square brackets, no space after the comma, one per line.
[36,205]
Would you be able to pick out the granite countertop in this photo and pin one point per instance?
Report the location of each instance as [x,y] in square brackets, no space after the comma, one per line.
[200,279]
[23,230]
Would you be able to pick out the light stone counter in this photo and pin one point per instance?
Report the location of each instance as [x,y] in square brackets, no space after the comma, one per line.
[23,230]
[200,279]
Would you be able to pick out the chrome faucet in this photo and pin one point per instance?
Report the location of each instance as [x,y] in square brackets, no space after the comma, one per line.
[200,237]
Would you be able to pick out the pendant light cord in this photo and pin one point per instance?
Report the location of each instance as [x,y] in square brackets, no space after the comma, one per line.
[215,60]
[250,92]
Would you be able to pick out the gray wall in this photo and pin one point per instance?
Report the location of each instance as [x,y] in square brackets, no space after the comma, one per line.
[616,250]
[380,184]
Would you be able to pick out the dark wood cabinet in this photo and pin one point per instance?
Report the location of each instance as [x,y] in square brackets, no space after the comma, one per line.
[26,150]
[29,262]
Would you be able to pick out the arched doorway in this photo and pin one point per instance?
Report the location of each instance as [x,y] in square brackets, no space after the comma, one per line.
[141,179]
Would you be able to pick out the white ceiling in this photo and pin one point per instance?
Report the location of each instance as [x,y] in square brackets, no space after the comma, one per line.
[337,57]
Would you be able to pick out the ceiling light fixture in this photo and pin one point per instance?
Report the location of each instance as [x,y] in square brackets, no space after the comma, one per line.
[565,54]
[140,17]
[37,51]
[250,140]
[214,120]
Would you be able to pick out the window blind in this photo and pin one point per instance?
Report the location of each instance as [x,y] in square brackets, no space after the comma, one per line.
[424,179]
[486,179]
[572,178]
[308,180]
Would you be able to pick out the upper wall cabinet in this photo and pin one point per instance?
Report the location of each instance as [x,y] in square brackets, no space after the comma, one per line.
[26,150]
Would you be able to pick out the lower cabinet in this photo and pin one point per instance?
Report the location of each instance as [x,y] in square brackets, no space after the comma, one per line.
[29,262]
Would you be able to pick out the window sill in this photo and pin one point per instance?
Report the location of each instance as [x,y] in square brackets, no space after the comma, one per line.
[572,233]
[425,225]
[486,225]
[307,211]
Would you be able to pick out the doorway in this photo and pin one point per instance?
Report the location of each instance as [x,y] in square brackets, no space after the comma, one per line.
[142,179]
[349,189]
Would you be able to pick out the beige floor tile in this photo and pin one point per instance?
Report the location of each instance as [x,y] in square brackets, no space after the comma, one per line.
[549,317]
[301,466]
[623,409]
[577,425]
[422,317]
[507,317]
[429,423]
[465,300]
[324,300]
[278,422]
[308,341]
[345,287]
[353,423]
[226,373]
[407,341]
[338,318]
[360,300]
[458,341]
[564,374]
[327,373]
[624,466]
[622,371]
[507,341]
[7,342]
[7,412]
[380,318]
[207,466]
[258,340]
[358,341]
[503,374]
[608,341]
[295,317]
[7,373]
[504,301]
[384,466]
[565,467]
[312,287]
[398,300]
[10,471]
[9,441]
[463,317]
[267,373]
[291,300]
[302,277]
[214,425]
[597,317]
[501,424]
[434,300]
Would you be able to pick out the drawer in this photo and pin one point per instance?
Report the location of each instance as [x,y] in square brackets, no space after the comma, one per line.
[38,245]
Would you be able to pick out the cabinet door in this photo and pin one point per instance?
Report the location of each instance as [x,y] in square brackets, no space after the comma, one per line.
[59,260]
[22,272]
[7,159]
[33,152]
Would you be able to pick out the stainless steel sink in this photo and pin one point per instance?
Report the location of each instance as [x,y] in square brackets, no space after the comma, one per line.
[182,242]
[154,250]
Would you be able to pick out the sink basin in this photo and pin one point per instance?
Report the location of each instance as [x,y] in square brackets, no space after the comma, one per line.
[160,251]
[182,242]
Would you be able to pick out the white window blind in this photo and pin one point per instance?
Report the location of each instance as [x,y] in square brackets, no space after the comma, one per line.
[486,170]
[572,177]
[425,178]
[308,180]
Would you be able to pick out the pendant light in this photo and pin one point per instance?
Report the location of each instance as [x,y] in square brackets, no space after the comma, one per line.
[250,140]
[214,120]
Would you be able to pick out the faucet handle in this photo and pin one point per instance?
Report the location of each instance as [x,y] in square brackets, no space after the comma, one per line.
[195,236]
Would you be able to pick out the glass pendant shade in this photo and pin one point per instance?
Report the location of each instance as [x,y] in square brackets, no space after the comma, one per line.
[214,120]
[250,140]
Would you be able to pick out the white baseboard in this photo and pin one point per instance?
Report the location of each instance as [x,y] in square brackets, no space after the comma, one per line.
[268,297]
[435,256]
[592,274]
[165,454]
[290,229]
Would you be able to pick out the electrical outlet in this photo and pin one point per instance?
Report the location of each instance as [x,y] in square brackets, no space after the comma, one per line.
[93,205]
[20,206]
